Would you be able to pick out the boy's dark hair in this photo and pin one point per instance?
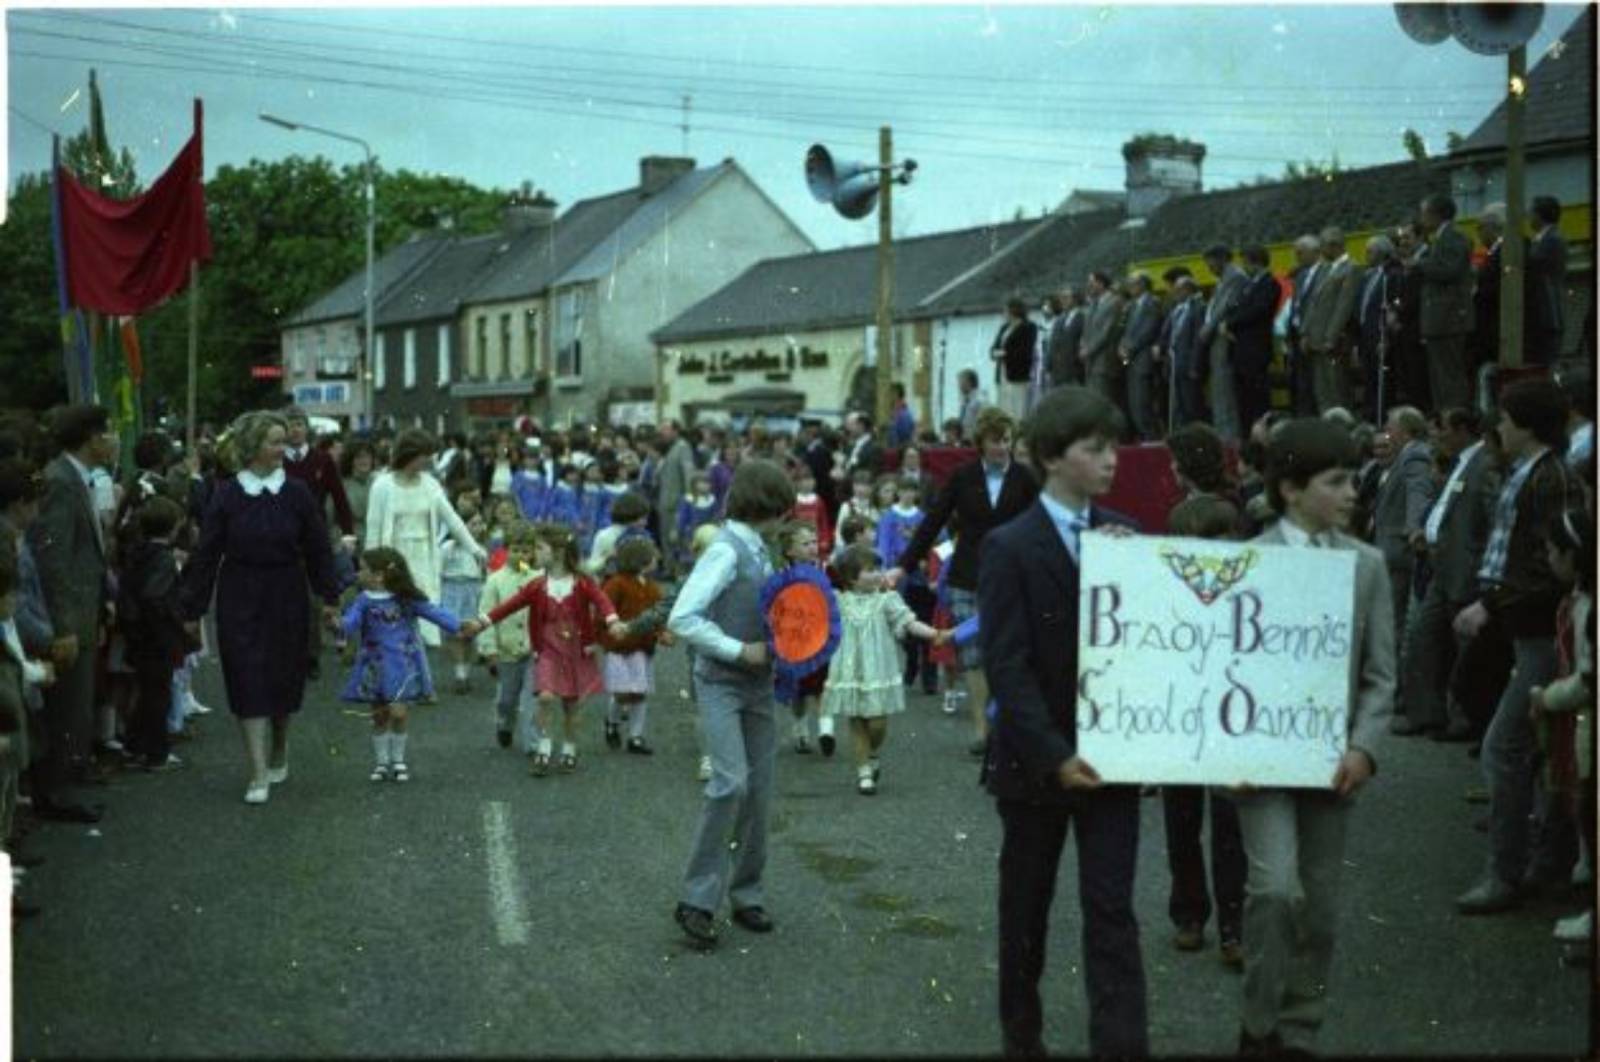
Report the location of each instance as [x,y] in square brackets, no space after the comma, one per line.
[849,565]
[629,506]
[76,425]
[760,491]
[852,529]
[1255,254]
[1066,415]
[158,517]
[1460,418]
[1198,452]
[1302,449]
[634,554]
[1547,208]
[19,481]
[992,423]
[1204,516]
[1538,406]
[391,565]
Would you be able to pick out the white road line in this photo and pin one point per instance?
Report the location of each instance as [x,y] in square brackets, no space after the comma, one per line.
[506,902]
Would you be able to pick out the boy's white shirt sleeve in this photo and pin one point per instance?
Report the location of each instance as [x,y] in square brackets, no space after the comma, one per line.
[712,574]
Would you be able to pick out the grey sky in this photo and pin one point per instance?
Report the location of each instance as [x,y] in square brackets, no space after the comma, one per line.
[1003,107]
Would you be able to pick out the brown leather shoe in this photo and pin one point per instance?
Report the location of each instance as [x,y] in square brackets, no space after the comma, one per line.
[1189,938]
[1232,953]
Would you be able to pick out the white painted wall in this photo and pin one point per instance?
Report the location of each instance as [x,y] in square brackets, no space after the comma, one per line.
[961,343]
[719,235]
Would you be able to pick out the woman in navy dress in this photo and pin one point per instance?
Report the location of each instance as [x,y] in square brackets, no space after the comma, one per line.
[262,536]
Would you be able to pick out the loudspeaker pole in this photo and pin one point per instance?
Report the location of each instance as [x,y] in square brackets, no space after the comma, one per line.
[885,274]
[1511,247]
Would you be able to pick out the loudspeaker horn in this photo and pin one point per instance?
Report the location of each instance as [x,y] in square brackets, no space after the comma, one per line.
[852,187]
[1493,29]
[1423,23]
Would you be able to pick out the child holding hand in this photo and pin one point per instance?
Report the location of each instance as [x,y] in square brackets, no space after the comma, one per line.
[566,611]
[864,675]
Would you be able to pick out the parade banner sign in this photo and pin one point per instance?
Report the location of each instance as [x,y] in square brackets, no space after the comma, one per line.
[1218,663]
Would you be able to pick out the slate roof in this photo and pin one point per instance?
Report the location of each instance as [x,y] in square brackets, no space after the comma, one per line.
[348,299]
[836,288]
[1560,103]
[539,257]
[436,290]
[648,216]
[1066,247]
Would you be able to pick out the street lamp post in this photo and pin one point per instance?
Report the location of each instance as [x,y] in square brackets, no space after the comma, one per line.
[369,344]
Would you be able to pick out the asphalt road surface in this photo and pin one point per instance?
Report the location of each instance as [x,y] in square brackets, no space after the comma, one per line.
[478,911]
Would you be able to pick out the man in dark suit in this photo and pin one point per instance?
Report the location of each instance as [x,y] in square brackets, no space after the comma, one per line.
[1405,320]
[1248,326]
[1065,339]
[1180,344]
[1371,330]
[862,452]
[316,469]
[1012,354]
[979,495]
[69,546]
[1446,274]
[1028,608]
[1484,348]
[1453,536]
[1137,349]
[1546,279]
[1308,268]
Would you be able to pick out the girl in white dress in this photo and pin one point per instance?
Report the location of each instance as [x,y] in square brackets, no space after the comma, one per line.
[407,510]
[865,674]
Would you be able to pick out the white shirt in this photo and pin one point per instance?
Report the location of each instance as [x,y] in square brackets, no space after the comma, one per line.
[296,454]
[713,573]
[1452,486]
[1295,535]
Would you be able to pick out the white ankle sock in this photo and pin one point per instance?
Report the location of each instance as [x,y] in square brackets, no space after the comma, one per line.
[380,748]
[545,746]
[637,719]
[461,671]
[397,747]
[568,749]
[613,711]
[825,725]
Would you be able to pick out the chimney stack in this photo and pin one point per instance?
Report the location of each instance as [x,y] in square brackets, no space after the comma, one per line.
[658,171]
[1160,167]
[528,210]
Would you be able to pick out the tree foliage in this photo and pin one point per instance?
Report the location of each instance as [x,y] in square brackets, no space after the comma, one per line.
[283,233]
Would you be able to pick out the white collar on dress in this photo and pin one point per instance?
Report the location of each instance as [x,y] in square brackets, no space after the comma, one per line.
[378,595]
[254,484]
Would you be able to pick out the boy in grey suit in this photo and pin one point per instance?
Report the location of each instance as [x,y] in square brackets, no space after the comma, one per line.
[1294,838]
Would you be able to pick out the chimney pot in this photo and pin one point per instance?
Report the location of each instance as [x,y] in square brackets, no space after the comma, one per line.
[658,171]
[1159,168]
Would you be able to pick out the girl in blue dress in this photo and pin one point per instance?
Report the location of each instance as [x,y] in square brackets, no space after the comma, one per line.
[391,670]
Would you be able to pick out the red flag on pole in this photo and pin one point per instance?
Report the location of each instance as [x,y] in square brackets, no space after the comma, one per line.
[126,256]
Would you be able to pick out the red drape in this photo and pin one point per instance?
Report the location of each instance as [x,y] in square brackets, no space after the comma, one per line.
[126,256]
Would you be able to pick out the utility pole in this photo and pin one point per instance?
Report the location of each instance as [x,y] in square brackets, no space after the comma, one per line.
[1511,248]
[885,275]
[684,125]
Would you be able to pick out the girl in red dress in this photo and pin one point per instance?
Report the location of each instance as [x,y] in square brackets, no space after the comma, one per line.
[566,612]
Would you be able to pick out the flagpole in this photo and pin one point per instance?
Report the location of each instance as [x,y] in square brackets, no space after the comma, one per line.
[194,350]
[64,309]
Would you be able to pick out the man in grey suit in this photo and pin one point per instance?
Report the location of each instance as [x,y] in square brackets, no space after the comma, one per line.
[1180,344]
[1138,354]
[1453,537]
[1295,838]
[672,483]
[1065,339]
[1102,367]
[1230,283]
[1405,490]
[1328,311]
[1446,303]
[1546,279]
[68,544]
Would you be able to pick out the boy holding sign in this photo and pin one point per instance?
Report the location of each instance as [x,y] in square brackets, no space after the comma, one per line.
[1294,838]
[1028,604]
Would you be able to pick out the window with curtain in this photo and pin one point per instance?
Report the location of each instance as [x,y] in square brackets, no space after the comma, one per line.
[569,333]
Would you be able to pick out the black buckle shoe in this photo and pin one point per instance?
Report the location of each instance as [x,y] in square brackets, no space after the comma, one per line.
[755,919]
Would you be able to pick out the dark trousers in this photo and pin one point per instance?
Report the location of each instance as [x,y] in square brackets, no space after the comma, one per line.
[152,674]
[1183,810]
[1252,392]
[1482,669]
[69,715]
[922,601]
[1107,823]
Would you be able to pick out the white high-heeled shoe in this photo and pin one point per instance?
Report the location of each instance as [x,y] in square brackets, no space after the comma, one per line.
[278,775]
[257,793]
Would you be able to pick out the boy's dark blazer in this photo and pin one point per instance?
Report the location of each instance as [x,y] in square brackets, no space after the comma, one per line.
[1028,627]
